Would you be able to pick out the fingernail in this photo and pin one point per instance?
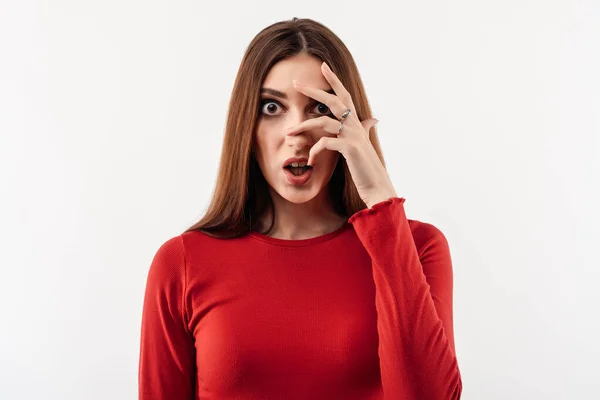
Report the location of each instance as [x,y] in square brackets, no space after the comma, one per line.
[326,66]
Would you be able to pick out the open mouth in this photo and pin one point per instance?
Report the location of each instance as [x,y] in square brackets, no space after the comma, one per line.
[298,175]
[298,171]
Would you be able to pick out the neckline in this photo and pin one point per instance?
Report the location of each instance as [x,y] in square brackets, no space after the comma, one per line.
[300,242]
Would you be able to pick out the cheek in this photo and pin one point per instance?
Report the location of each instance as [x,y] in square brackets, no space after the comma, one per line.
[329,162]
[265,147]
[328,157]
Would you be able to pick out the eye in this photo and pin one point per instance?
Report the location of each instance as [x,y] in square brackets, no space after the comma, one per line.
[268,107]
[323,108]
[271,107]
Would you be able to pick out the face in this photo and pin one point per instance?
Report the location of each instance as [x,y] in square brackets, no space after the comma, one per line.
[286,108]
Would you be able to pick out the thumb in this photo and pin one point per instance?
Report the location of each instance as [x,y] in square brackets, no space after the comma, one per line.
[368,124]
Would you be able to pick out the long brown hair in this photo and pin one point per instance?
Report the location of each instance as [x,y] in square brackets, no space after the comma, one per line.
[241,193]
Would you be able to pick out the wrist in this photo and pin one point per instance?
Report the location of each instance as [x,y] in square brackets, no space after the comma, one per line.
[380,198]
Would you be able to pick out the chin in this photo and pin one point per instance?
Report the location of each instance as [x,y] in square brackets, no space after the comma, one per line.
[299,194]
[299,198]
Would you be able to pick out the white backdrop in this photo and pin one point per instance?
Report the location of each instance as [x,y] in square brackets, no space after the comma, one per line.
[111,124]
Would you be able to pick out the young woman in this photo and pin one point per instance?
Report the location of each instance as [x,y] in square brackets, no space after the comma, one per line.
[305,279]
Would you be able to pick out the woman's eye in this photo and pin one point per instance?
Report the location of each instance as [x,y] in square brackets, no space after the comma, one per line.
[269,107]
[323,109]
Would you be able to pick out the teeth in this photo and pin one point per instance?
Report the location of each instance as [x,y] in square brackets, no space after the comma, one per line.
[296,165]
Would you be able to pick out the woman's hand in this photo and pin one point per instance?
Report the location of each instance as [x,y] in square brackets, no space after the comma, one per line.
[368,173]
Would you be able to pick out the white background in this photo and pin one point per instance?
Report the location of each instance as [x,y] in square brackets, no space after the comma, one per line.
[111,124]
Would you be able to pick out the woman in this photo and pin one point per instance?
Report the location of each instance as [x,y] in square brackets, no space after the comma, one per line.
[305,279]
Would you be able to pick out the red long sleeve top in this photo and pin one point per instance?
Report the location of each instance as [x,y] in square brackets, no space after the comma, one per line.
[364,312]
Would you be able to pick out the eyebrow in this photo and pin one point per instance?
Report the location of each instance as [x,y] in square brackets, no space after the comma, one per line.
[283,95]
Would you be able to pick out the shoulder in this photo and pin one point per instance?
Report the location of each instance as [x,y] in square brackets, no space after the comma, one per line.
[428,237]
[171,250]
[168,264]
[425,230]
[176,248]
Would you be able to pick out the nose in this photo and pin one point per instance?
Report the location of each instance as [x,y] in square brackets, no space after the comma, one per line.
[301,139]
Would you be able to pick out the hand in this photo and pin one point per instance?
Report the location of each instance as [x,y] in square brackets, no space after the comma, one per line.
[368,173]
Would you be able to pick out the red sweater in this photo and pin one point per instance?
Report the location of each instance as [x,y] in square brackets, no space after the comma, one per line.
[364,312]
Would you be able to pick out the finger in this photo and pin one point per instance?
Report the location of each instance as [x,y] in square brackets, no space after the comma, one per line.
[330,100]
[338,87]
[325,143]
[325,123]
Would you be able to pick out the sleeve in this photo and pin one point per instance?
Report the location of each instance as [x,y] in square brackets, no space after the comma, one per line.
[167,353]
[413,299]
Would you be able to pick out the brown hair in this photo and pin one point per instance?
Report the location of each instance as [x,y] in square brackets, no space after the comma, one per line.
[241,193]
